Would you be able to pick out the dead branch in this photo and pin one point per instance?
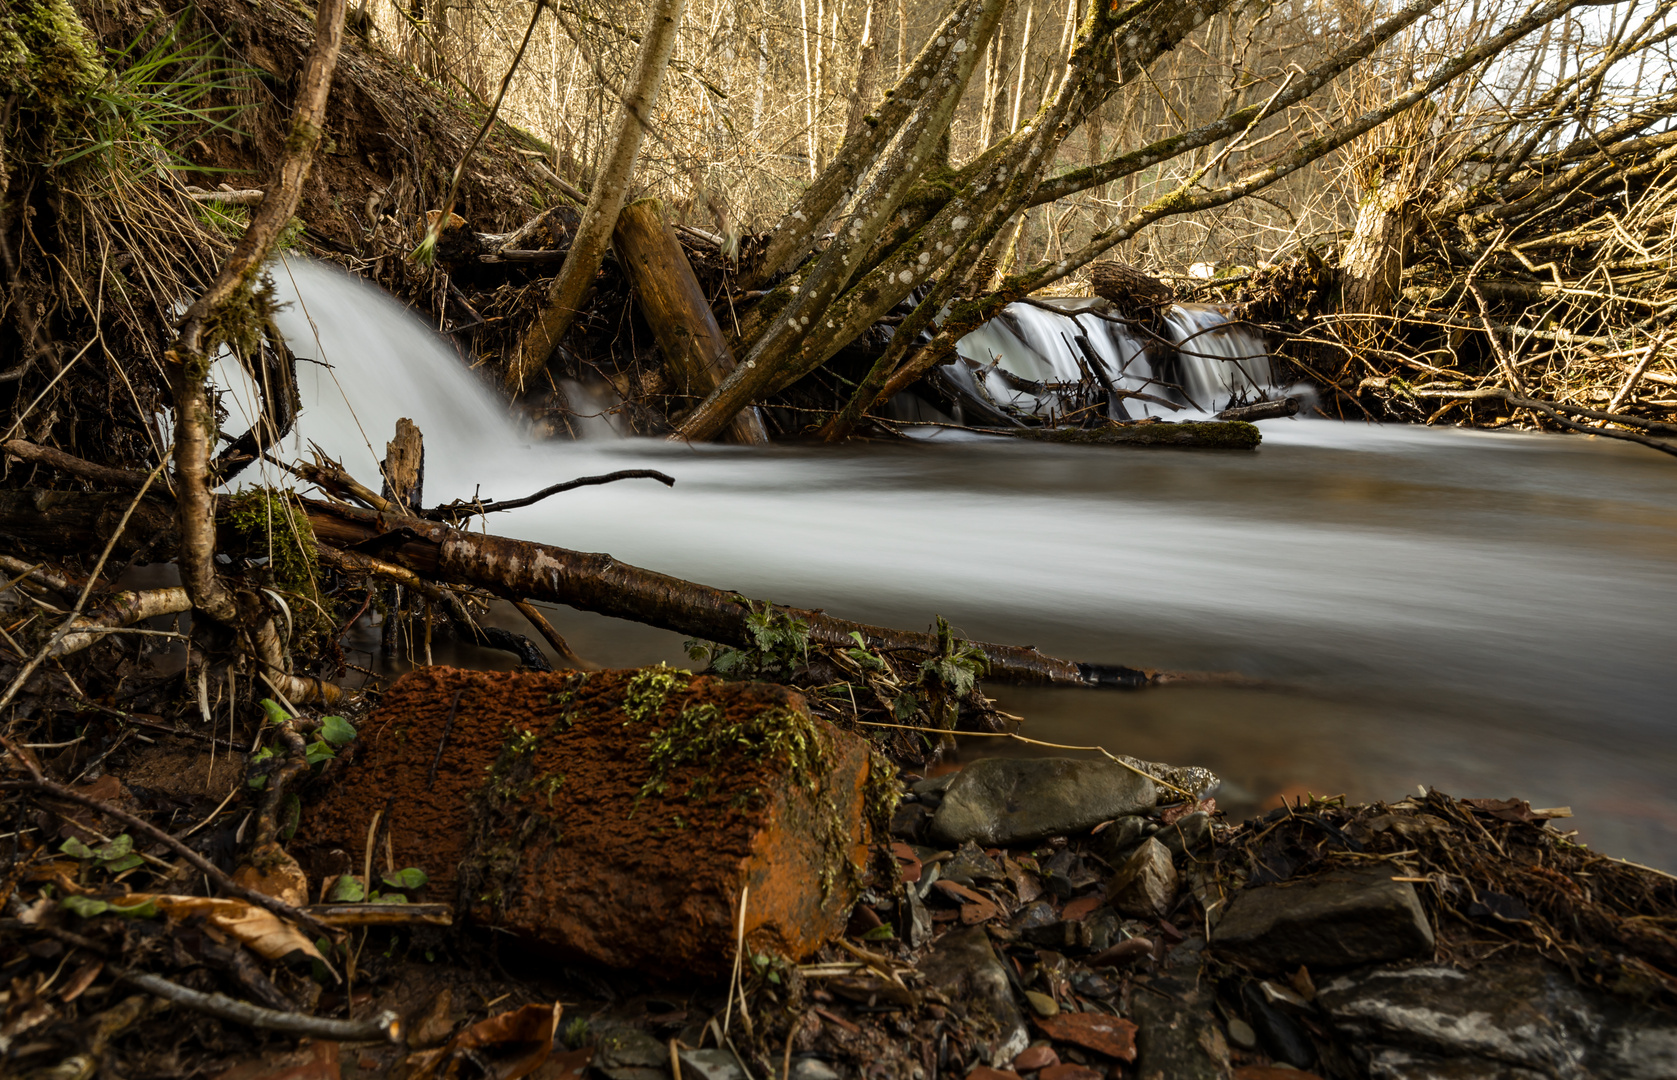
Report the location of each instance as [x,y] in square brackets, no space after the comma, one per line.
[460,508]
[385,1027]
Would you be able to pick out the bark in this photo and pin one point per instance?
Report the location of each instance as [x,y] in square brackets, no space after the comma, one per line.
[867,76]
[119,610]
[605,200]
[1372,265]
[696,354]
[404,466]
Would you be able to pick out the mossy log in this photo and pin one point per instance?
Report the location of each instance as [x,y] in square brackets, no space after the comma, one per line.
[1201,434]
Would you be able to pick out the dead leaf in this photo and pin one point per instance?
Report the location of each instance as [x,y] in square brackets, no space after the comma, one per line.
[81,980]
[263,932]
[512,1045]
[271,871]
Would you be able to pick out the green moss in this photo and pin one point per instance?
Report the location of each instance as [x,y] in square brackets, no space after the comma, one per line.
[274,526]
[47,54]
[649,689]
[700,734]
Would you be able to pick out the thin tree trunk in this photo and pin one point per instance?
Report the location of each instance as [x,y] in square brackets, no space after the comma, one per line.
[1024,67]
[605,200]
[867,76]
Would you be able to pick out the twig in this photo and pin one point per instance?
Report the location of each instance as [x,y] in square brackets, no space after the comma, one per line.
[459,508]
[739,957]
[81,601]
[385,1027]
[58,791]
[554,638]
[448,724]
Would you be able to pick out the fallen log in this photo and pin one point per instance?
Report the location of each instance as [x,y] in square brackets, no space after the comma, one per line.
[1261,410]
[1201,434]
[525,570]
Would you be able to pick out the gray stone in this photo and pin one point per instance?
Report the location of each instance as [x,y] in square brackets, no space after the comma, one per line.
[970,866]
[909,821]
[964,967]
[1179,1037]
[813,1069]
[1145,886]
[933,785]
[627,1053]
[1502,1020]
[710,1065]
[1242,1035]
[1186,834]
[1001,801]
[1333,920]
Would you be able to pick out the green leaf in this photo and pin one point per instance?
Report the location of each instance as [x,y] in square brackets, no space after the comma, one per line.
[347,890]
[127,862]
[336,730]
[393,898]
[144,910]
[76,849]
[411,878]
[119,848]
[276,712]
[318,751]
[290,816]
[85,906]
[880,933]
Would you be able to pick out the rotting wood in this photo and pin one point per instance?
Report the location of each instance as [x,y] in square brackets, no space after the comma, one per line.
[404,466]
[696,354]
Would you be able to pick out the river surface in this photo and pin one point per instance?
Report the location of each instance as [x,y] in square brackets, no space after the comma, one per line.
[1493,614]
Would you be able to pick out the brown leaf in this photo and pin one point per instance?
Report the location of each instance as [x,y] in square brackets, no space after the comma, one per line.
[513,1045]
[266,934]
[81,980]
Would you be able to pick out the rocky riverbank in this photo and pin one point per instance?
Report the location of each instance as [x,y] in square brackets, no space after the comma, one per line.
[648,874]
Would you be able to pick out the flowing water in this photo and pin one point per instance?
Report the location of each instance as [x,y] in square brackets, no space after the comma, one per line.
[1492,614]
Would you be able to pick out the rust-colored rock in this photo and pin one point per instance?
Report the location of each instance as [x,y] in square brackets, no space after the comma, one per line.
[606,815]
[1109,1035]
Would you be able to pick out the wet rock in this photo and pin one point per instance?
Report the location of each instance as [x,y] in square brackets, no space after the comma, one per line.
[1123,953]
[965,968]
[626,1053]
[984,1072]
[1187,834]
[1114,842]
[1033,917]
[1242,1035]
[1519,1018]
[710,1065]
[910,820]
[970,866]
[1179,1037]
[1145,886]
[1042,1004]
[1338,919]
[1105,927]
[1282,1037]
[1000,801]
[1069,1071]
[592,815]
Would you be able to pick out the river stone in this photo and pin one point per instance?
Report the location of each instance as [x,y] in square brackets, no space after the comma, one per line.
[1510,1019]
[964,967]
[1179,1037]
[1145,886]
[1339,919]
[1003,801]
[1187,834]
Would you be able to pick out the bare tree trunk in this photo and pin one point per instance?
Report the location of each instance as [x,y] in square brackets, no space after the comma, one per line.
[696,354]
[1024,67]
[1371,268]
[867,76]
[605,201]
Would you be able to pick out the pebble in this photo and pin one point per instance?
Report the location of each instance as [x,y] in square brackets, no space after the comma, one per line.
[1040,1056]
[1042,1004]
[1242,1035]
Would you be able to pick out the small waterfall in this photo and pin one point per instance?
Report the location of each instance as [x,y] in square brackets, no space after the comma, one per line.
[1050,358]
[364,361]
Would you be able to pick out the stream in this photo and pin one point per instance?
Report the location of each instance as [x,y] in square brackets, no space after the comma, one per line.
[1493,614]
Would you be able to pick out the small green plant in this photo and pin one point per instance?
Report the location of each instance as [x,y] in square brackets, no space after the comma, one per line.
[87,907]
[335,733]
[950,675]
[576,1033]
[779,646]
[113,858]
[349,889]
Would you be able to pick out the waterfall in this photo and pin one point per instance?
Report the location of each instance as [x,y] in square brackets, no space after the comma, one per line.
[363,361]
[1039,359]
